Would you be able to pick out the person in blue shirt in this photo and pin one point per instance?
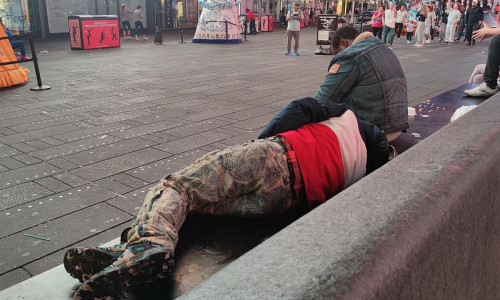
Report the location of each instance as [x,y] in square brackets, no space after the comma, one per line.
[15,43]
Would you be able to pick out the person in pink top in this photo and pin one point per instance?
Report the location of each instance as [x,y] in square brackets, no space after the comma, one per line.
[377,24]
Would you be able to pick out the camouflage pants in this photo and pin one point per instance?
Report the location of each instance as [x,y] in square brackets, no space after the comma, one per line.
[248,180]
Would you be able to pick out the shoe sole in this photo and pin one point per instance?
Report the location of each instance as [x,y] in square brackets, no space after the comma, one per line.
[83,263]
[117,281]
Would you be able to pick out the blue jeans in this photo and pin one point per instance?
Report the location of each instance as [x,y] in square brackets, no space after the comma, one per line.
[18,44]
[388,31]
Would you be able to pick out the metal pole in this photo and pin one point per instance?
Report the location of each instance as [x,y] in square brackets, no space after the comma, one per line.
[225,21]
[182,31]
[40,86]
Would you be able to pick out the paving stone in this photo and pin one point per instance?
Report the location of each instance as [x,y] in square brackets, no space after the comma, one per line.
[24,174]
[13,122]
[27,159]
[191,142]
[36,134]
[38,144]
[7,131]
[6,151]
[75,147]
[127,205]
[13,277]
[2,168]
[23,147]
[114,185]
[51,207]
[22,193]
[138,195]
[153,172]
[240,139]
[47,123]
[255,124]
[98,131]
[53,184]
[111,150]
[146,129]
[195,128]
[120,117]
[130,180]
[62,231]
[63,164]
[49,140]
[71,179]
[119,164]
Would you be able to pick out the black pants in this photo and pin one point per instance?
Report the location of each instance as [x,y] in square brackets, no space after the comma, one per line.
[490,75]
[471,27]
[399,29]
[461,30]
[139,27]
[409,35]
[377,31]
[253,30]
[432,33]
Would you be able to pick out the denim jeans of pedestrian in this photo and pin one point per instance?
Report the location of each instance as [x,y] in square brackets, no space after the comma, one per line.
[490,76]
[19,45]
[247,180]
[388,32]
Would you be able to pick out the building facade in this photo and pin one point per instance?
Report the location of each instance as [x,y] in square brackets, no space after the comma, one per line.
[49,18]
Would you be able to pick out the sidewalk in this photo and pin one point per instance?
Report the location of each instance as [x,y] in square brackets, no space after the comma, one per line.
[77,160]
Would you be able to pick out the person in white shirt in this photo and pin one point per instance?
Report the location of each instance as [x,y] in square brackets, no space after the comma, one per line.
[389,21]
[453,18]
[293,18]
[401,18]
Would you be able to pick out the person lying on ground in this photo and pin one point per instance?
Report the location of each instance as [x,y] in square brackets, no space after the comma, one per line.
[489,87]
[367,77]
[311,151]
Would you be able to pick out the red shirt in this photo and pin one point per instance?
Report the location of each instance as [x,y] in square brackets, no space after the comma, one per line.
[320,161]
[250,16]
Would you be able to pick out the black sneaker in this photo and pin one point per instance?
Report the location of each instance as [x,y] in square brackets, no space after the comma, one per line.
[83,263]
[138,266]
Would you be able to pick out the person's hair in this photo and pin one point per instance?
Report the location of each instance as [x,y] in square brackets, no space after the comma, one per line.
[383,7]
[296,4]
[139,7]
[346,32]
[423,10]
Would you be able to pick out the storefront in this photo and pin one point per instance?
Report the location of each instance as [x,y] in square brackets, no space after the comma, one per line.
[170,13]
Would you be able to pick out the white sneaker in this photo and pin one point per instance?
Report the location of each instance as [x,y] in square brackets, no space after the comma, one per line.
[482,91]
[427,41]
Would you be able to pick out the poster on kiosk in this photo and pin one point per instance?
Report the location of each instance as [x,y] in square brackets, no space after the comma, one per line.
[93,32]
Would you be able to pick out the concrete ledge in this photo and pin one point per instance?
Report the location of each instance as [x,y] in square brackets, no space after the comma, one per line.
[424,226]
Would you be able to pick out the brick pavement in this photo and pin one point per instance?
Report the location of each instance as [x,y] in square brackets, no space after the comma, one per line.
[76,161]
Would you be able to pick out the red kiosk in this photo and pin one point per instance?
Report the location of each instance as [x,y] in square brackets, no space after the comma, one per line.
[93,32]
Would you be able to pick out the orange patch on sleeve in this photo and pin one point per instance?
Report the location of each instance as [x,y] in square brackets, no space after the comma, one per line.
[334,68]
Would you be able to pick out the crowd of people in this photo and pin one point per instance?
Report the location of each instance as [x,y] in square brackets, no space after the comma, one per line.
[428,22]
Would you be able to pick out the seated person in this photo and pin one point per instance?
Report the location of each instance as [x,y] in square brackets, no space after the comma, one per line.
[293,168]
[367,77]
[15,43]
[489,87]
[477,74]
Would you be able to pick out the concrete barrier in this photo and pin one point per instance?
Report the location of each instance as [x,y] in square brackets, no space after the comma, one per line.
[424,226]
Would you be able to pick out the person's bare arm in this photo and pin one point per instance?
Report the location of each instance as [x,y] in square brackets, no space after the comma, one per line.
[485,32]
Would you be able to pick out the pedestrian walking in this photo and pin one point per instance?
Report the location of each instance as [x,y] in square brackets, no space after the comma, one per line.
[474,21]
[453,19]
[410,26]
[137,15]
[401,19]
[251,19]
[463,20]
[377,24]
[293,18]
[420,33]
[389,20]
[125,15]
[428,24]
